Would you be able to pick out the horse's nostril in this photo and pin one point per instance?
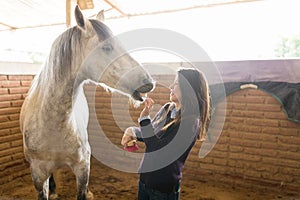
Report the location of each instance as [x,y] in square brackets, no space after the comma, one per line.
[147,81]
[146,88]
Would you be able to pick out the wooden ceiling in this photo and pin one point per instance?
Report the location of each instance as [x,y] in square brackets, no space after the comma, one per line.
[21,14]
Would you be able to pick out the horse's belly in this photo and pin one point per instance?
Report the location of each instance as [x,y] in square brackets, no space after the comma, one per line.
[59,157]
[60,147]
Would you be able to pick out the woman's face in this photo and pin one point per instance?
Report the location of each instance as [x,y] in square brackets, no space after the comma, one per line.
[175,93]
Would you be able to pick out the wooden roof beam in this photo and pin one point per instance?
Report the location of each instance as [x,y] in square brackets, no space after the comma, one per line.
[10,27]
[117,8]
[85,4]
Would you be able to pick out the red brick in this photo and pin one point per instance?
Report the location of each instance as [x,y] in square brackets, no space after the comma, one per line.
[289,124]
[17,103]
[264,107]
[4,119]
[3,91]
[20,77]
[272,100]
[4,104]
[246,113]
[17,156]
[4,132]
[10,97]
[9,84]
[281,162]
[247,99]
[245,157]
[236,149]
[6,111]
[26,83]
[15,130]
[5,159]
[237,120]
[269,138]
[250,143]
[220,161]
[264,122]
[11,151]
[275,115]
[289,139]
[10,164]
[289,155]
[262,152]
[3,77]
[20,90]
[289,171]
[271,130]
[257,93]
[289,132]
[4,145]
[17,143]
[14,117]
[236,106]
[9,124]
[280,146]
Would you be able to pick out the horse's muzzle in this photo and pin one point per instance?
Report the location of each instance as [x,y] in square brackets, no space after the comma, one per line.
[147,87]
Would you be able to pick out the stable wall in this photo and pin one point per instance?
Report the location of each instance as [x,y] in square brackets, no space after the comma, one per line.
[13,89]
[258,147]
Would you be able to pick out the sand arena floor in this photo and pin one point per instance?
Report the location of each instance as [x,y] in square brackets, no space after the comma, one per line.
[107,184]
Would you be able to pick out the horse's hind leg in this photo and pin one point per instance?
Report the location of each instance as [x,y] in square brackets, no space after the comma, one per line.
[82,173]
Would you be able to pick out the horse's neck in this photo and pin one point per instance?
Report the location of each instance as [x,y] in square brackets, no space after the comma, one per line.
[53,93]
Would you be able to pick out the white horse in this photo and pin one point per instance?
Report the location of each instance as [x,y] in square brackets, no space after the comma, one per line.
[54,115]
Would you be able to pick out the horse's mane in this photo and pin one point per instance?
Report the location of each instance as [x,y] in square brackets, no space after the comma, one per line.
[61,58]
[66,55]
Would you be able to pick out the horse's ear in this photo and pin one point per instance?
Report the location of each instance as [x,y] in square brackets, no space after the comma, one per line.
[100,16]
[79,17]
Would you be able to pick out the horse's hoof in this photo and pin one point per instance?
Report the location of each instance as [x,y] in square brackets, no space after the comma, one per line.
[89,195]
[53,196]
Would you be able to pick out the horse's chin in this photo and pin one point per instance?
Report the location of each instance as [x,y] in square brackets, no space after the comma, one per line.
[136,95]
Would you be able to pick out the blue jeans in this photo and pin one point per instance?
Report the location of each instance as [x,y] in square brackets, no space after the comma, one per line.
[152,194]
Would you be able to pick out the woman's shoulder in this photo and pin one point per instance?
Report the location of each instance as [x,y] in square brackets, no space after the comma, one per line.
[169,105]
[163,110]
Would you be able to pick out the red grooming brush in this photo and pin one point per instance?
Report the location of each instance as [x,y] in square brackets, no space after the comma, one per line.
[131,146]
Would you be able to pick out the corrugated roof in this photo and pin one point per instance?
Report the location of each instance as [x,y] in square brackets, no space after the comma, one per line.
[18,14]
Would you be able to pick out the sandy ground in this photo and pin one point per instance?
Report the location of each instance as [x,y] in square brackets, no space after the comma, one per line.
[107,183]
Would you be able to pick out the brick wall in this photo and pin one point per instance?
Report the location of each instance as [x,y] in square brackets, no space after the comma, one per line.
[13,90]
[257,147]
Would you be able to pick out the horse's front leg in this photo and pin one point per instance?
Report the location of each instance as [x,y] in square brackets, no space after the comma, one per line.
[40,175]
[52,187]
[82,173]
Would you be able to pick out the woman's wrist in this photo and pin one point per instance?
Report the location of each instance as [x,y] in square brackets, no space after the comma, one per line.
[143,118]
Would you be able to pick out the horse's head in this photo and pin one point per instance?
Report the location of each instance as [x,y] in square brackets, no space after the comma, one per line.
[107,62]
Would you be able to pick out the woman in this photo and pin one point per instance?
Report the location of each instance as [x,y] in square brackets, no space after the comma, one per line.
[170,135]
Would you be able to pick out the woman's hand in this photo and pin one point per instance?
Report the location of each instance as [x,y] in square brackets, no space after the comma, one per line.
[128,136]
[148,106]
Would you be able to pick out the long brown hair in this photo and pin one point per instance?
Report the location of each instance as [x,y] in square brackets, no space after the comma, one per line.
[195,99]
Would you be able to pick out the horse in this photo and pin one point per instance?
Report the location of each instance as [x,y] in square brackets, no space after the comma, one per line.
[54,115]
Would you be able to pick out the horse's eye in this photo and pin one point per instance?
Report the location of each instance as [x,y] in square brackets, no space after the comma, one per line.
[107,48]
